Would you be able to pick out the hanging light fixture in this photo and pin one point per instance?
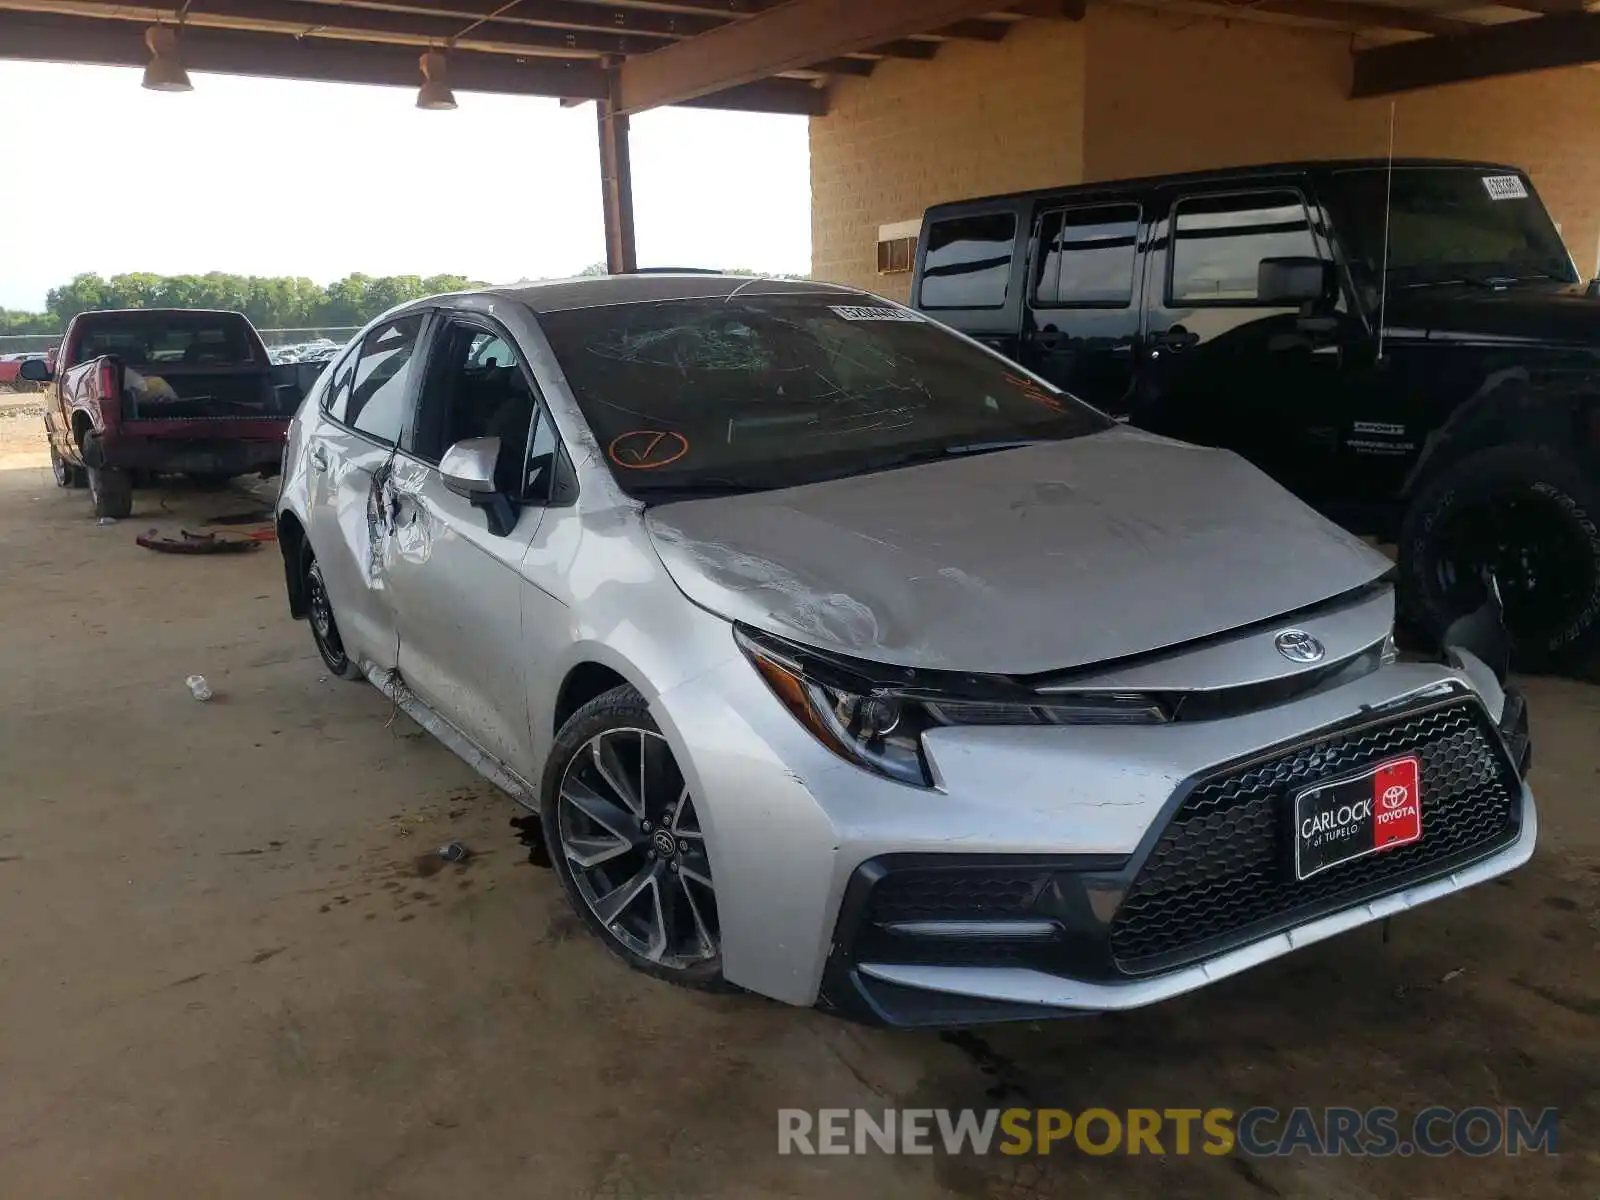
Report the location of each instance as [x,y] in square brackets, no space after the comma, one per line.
[435,92]
[165,72]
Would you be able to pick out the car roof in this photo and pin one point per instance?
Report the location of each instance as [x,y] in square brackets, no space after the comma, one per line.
[557,295]
[1227,174]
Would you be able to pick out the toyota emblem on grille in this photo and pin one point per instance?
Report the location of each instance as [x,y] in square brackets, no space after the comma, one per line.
[1299,646]
[1393,797]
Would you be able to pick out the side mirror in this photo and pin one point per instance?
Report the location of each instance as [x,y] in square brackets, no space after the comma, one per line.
[468,466]
[468,470]
[1294,281]
[35,370]
[1593,289]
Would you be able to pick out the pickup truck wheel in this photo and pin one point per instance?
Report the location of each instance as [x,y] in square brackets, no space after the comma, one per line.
[68,475]
[324,629]
[1531,516]
[111,491]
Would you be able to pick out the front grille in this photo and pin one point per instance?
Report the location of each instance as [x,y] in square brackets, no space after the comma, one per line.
[1222,871]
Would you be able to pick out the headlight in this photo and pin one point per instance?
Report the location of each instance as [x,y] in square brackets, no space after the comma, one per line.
[875,716]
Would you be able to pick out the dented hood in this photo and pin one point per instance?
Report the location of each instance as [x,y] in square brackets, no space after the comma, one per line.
[1040,558]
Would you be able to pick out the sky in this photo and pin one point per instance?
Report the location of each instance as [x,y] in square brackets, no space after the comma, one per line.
[274,177]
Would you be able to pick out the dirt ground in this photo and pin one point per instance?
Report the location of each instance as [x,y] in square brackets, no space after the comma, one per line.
[223,972]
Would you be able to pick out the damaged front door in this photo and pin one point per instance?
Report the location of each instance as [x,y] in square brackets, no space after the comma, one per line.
[455,582]
[350,460]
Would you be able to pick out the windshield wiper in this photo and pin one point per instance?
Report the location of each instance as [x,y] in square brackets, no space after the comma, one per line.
[700,489]
[964,448]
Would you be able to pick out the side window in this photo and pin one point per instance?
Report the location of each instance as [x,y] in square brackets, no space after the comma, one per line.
[476,388]
[968,261]
[376,404]
[336,400]
[1086,256]
[490,350]
[1218,243]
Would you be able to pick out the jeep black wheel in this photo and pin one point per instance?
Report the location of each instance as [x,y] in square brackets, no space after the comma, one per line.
[626,840]
[324,629]
[1527,515]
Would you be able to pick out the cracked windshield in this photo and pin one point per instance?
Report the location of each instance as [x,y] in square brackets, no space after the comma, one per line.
[762,392]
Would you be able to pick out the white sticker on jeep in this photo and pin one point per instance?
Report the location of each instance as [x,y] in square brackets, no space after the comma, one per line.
[1505,187]
[854,313]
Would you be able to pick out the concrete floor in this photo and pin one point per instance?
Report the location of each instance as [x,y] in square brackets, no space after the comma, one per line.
[223,974]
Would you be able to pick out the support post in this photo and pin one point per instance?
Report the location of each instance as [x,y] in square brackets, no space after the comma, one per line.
[616,188]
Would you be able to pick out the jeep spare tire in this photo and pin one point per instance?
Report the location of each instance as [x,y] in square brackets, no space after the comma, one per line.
[1531,516]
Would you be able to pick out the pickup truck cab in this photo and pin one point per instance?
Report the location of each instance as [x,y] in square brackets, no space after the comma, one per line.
[149,391]
[1406,346]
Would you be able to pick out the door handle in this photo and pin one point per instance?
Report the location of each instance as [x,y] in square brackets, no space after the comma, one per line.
[1176,338]
[318,458]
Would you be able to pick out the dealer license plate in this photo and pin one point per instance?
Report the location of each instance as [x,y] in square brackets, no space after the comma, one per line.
[1378,810]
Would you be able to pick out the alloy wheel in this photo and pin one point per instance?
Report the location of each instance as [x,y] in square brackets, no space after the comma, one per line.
[633,843]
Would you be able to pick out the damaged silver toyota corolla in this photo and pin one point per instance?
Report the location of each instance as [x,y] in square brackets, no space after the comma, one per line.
[848,663]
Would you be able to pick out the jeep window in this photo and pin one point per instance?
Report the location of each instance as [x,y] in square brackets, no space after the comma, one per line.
[1446,225]
[1086,257]
[1219,241]
[968,261]
[755,392]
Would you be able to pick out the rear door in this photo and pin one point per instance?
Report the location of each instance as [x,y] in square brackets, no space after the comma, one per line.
[1219,367]
[1081,315]
[457,586]
[349,458]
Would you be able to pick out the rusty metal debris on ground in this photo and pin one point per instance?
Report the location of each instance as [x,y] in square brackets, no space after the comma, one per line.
[197,543]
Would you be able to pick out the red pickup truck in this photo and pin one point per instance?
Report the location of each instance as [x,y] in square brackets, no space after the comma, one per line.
[139,392]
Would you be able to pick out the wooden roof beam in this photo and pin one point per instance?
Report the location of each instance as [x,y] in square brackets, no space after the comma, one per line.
[1511,48]
[780,39]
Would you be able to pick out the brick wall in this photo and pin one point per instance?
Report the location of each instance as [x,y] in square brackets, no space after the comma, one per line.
[1134,92]
[979,118]
[1216,93]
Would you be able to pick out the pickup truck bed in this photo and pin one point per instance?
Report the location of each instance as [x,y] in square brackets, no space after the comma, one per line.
[167,391]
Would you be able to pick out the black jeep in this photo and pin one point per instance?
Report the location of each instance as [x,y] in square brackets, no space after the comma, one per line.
[1453,411]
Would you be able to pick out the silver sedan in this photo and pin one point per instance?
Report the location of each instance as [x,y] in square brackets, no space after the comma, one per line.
[846,662]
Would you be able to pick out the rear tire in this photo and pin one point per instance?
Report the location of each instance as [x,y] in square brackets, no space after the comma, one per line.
[111,492]
[68,475]
[1530,514]
[324,629]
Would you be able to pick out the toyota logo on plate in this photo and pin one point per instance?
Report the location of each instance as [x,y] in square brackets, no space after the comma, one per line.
[1299,646]
[1393,797]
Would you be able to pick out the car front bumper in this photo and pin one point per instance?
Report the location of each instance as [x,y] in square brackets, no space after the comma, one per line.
[1057,822]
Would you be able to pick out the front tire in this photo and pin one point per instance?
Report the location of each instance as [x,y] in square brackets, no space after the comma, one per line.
[1529,514]
[111,492]
[67,475]
[324,629]
[627,844]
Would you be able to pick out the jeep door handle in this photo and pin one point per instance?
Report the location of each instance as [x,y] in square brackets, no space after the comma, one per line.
[1176,338]
[318,458]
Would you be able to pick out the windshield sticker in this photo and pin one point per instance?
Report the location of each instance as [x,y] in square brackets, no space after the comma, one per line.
[647,449]
[1505,187]
[851,312]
